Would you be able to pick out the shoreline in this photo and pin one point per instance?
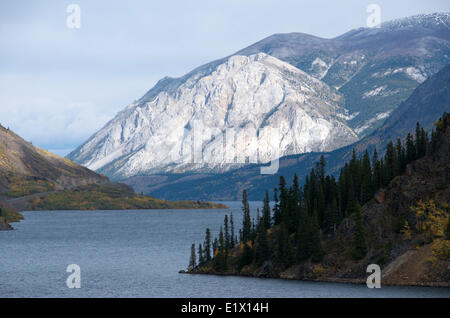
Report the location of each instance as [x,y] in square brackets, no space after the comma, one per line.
[351,281]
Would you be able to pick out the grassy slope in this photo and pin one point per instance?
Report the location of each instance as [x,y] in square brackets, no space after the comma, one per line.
[33,179]
[109,197]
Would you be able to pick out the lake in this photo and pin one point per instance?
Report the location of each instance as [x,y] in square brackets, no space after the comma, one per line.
[139,254]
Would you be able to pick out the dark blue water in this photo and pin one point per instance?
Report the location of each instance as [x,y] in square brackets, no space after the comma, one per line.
[139,254]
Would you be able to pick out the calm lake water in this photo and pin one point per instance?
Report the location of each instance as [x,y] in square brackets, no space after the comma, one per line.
[139,254]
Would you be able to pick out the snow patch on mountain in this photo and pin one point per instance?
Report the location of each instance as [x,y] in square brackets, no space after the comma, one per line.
[371,121]
[412,72]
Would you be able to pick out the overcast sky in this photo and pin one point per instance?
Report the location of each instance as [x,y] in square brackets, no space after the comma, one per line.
[59,85]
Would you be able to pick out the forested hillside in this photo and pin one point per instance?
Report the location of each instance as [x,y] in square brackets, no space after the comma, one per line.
[392,211]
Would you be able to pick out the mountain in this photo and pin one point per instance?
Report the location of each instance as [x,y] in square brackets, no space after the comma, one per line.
[373,68]
[27,169]
[319,93]
[426,104]
[34,179]
[245,97]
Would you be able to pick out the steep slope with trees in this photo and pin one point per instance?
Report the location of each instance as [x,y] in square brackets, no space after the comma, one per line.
[393,211]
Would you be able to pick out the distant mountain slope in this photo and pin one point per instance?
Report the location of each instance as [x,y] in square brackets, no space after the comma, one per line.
[426,104]
[242,98]
[374,68]
[360,78]
[25,169]
[34,179]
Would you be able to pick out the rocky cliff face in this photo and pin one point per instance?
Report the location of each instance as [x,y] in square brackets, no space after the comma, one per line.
[425,105]
[246,109]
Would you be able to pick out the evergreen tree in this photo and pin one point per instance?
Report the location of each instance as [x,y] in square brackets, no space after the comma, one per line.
[359,248]
[317,251]
[232,238]
[333,216]
[221,240]
[192,260]
[390,164]
[220,261]
[351,199]
[266,211]
[207,245]
[401,158]
[377,173]
[215,246]
[227,233]
[366,183]
[294,198]
[308,240]
[262,245]
[246,257]
[246,223]
[423,142]
[410,149]
[201,256]
[283,199]
[276,208]
[303,247]
[283,253]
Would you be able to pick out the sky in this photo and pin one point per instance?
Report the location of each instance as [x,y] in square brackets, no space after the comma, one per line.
[59,85]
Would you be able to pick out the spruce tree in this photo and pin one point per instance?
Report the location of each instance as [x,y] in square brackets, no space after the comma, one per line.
[227,233]
[201,256]
[351,199]
[410,149]
[282,247]
[418,141]
[262,245]
[192,260]
[232,238]
[359,248]
[401,158]
[246,222]
[333,216]
[366,183]
[246,257]
[284,197]
[215,246]
[316,246]
[221,240]
[377,173]
[207,245]
[266,211]
[390,162]
[276,208]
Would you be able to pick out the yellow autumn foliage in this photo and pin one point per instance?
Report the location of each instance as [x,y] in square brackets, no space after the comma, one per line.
[431,219]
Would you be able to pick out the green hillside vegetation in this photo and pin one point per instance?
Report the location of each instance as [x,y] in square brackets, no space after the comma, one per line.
[109,197]
[8,215]
[32,178]
[330,229]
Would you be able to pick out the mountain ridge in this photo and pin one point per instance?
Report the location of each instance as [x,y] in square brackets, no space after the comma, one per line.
[426,104]
[372,70]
